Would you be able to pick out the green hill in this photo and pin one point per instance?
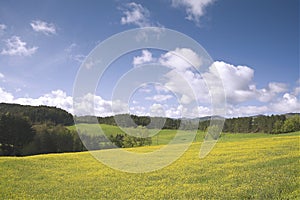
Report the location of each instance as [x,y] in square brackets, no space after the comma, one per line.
[38,114]
[241,166]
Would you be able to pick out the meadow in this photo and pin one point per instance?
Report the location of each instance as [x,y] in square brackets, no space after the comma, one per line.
[241,166]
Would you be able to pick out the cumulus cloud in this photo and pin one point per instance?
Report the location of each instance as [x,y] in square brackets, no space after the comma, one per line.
[43,27]
[181,59]
[5,96]
[16,47]
[240,111]
[135,14]
[1,76]
[287,103]
[146,57]
[194,9]
[138,110]
[237,81]
[157,110]
[269,93]
[56,98]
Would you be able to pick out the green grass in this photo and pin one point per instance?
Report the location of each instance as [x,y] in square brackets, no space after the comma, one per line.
[160,137]
[241,166]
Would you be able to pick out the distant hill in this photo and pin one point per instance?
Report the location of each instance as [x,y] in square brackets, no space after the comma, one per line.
[38,114]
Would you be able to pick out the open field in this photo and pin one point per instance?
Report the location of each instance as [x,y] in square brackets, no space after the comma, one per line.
[160,137]
[241,166]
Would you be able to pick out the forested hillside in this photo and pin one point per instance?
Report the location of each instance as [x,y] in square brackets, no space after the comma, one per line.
[26,130]
[38,114]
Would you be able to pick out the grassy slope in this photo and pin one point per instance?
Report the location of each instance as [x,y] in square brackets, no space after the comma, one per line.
[240,166]
[162,137]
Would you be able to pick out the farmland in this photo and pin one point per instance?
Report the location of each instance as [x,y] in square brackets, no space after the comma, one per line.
[241,166]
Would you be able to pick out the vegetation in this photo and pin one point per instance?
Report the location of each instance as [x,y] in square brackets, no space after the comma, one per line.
[15,133]
[29,130]
[38,114]
[273,124]
[241,166]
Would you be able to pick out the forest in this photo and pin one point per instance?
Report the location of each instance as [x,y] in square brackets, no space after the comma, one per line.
[30,130]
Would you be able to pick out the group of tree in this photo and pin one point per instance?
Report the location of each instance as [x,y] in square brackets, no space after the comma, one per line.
[18,136]
[27,130]
[38,114]
[273,124]
[127,120]
[30,130]
[261,123]
[126,141]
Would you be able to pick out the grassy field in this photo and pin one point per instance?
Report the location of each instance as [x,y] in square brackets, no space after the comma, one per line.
[160,137]
[241,166]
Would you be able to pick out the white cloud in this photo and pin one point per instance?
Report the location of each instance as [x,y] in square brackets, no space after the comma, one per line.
[44,27]
[5,96]
[287,103]
[195,9]
[181,59]
[296,91]
[1,76]
[2,29]
[160,97]
[135,14]
[157,110]
[269,93]
[184,85]
[16,47]
[146,57]
[56,98]
[79,57]
[73,56]
[138,110]
[239,111]
[237,81]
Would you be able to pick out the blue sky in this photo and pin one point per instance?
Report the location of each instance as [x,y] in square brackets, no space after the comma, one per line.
[255,45]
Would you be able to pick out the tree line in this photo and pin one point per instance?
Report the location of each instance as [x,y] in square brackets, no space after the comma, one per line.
[31,130]
[273,124]
[264,124]
[28,130]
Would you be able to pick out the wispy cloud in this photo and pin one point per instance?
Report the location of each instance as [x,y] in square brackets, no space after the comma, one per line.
[160,97]
[135,14]
[146,57]
[76,57]
[2,28]
[194,9]
[16,47]
[44,27]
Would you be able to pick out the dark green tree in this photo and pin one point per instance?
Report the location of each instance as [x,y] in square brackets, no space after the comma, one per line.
[15,133]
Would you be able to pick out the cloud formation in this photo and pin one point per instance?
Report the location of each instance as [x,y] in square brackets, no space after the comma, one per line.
[181,59]
[146,57]
[16,47]
[194,9]
[135,14]
[2,29]
[43,27]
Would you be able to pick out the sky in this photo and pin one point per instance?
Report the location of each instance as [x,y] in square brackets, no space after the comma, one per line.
[254,45]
